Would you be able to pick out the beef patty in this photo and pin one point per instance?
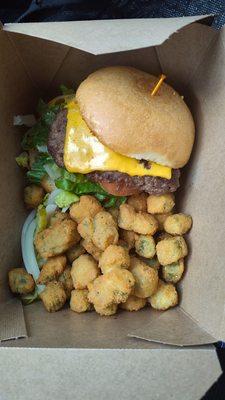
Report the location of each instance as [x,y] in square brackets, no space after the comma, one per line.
[114,182]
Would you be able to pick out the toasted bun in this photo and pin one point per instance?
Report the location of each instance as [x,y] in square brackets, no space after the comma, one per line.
[117,105]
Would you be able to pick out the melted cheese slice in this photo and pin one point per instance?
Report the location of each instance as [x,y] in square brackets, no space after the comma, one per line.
[84,153]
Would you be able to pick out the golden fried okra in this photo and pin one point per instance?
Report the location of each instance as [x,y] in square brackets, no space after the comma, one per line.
[86,228]
[79,301]
[151,262]
[58,216]
[138,201]
[66,279]
[145,245]
[114,257]
[133,303]
[127,216]
[139,222]
[145,224]
[53,296]
[91,248]
[52,269]
[160,204]
[146,278]
[161,219]
[84,270]
[48,184]
[112,288]
[56,239]
[20,282]
[171,250]
[178,224]
[74,252]
[128,237]
[173,272]
[88,206]
[114,212]
[33,196]
[105,230]
[106,311]
[165,297]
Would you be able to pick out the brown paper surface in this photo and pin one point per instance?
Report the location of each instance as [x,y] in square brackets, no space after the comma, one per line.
[105,36]
[95,374]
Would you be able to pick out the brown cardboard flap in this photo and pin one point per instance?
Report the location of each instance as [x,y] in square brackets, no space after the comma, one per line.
[12,324]
[113,374]
[105,36]
[173,327]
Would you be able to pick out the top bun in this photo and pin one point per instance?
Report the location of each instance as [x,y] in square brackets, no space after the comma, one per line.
[117,105]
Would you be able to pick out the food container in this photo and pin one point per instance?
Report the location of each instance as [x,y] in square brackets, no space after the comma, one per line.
[154,355]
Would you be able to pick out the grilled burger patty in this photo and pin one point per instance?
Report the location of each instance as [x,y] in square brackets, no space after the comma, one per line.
[114,182]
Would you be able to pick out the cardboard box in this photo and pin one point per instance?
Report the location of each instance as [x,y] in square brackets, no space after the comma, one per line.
[63,355]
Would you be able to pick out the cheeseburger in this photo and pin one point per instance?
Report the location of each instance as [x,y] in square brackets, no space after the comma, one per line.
[121,136]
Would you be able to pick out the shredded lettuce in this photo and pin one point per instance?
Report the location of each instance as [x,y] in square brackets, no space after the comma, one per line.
[41,218]
[23,160]
[37,135]
[31,297]
[65,199]
[65,90]
[37,171]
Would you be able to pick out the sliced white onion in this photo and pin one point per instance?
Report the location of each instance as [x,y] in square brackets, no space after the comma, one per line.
[42,149]
[27,244]
[51,208]
[27,120]
[53,173]
[64,209]
[52,196]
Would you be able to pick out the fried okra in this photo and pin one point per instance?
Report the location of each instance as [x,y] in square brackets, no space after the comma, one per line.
[138,201]
[112,288]
[53,296]
[33,196]
[58,216]
[173,272]
[79,301]
[114,257]
[56,239]
[139,222]
[128,237]
[133,303]
[165,297]
[88,206]
[145,245]
[151,262]
[161,219]
[66,279]
[86,228]
[84,270]
[160,204]
[74,252]
[48,184]
[105,230]
[20,282]
[52,269]
[171,250]
[106,311]
[178,224]
[91,248]
[146,278]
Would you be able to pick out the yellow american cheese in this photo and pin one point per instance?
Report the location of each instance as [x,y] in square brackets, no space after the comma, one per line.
[84,153]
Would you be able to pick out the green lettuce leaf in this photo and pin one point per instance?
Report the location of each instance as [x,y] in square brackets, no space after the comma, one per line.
[65,199]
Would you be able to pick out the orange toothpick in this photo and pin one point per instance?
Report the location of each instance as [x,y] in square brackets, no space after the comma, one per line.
[158,84]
